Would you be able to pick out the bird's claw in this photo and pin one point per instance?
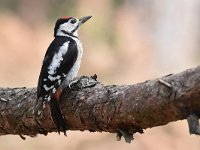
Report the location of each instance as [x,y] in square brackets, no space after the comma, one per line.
[74,81]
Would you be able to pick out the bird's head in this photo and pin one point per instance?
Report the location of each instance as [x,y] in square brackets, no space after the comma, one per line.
[69,25]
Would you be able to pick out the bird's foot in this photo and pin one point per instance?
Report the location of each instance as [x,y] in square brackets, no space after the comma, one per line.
[73,82]
[83,82]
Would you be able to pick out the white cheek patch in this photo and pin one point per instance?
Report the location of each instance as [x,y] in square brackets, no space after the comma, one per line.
[57,59]
[67,27]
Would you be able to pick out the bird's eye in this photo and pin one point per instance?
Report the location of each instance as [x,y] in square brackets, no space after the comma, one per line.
[73,21]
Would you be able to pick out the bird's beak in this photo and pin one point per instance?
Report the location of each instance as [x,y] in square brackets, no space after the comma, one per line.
[84,19]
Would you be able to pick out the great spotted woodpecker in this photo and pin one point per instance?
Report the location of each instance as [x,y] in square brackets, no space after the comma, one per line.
[60,66]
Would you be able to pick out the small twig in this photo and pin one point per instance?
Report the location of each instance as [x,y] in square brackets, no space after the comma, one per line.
[22,137]
[193,123]
[165,83]
[127,136]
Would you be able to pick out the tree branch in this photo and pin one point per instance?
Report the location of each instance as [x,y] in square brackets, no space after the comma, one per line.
[95,107]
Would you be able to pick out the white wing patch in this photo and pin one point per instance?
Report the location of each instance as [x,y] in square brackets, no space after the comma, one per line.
[48,88]
[48,98]
[59,82]
[53,78]
[54,90]
[58,58]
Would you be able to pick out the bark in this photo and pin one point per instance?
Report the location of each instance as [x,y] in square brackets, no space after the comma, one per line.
[92,106]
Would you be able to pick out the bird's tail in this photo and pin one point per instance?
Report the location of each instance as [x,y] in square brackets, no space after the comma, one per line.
[57,116]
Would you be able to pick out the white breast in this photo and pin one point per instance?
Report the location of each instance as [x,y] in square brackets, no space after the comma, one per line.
[74,70]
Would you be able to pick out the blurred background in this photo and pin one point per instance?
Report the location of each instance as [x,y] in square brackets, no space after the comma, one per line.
[126,41]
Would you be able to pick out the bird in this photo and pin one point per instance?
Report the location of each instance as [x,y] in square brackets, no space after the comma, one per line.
[60,66]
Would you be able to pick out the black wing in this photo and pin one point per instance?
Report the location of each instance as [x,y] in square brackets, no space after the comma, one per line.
[45,82]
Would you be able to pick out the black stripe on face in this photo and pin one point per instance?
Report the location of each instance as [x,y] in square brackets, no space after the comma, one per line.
[65,32]
[70,34]
[75,29]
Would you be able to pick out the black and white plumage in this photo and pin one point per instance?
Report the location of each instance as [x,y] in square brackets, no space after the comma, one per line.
[60,66]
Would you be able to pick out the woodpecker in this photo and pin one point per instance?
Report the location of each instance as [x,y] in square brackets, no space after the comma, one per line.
[60,66]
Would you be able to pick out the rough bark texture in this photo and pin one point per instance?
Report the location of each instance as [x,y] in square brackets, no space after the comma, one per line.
[93,106]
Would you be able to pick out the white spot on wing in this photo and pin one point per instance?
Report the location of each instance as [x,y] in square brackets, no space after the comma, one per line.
[48,98]
[53,78]
[47,88]
[64,75]
[58,58]
[59,82]
[54,90]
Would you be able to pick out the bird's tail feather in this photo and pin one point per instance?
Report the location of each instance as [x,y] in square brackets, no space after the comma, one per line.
[57,116]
